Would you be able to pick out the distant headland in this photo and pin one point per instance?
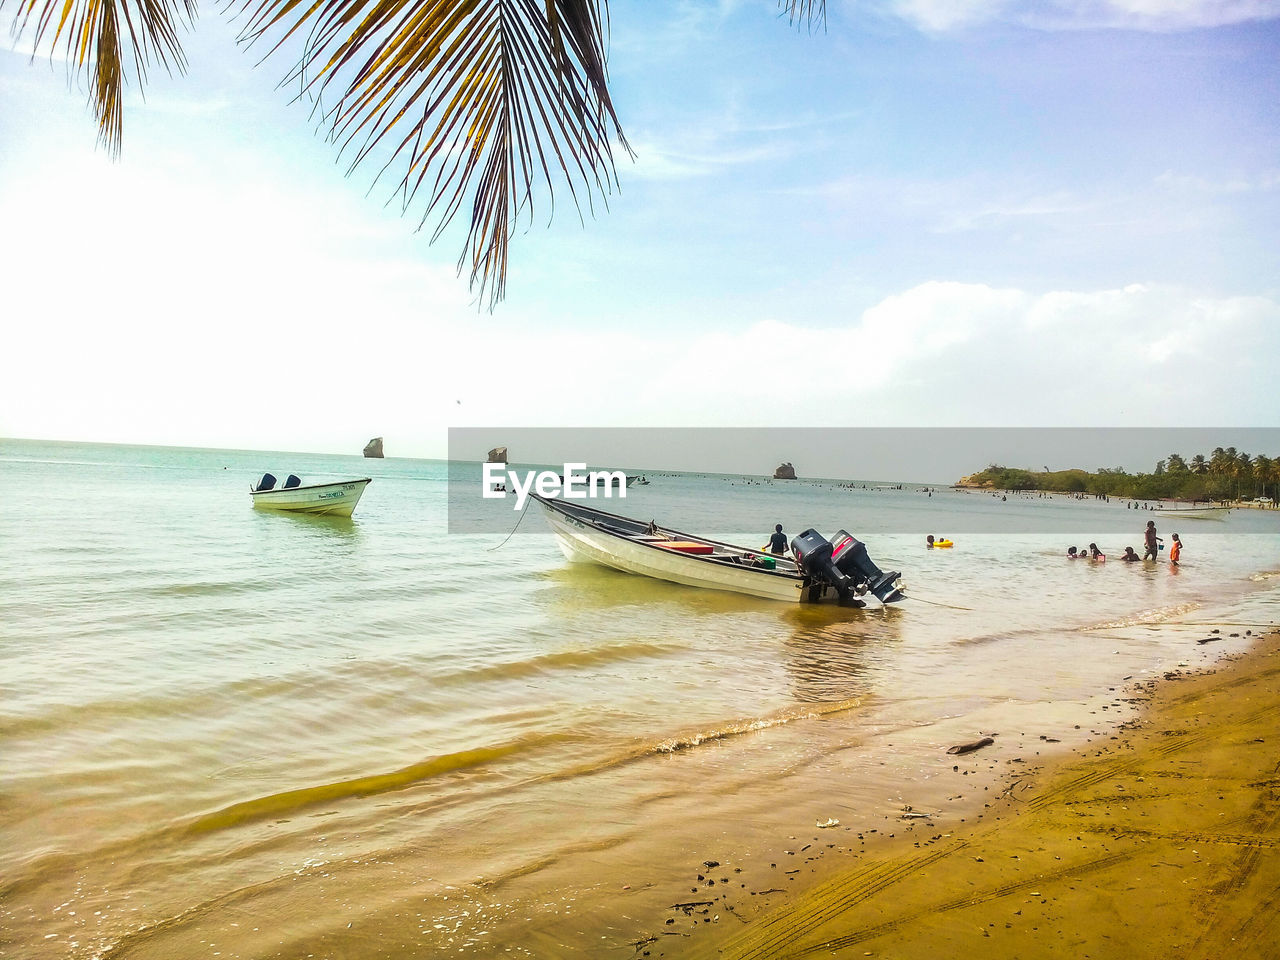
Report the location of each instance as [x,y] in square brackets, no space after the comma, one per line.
[1225,474]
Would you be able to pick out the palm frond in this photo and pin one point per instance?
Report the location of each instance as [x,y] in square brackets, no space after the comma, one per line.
[479,103]
[804,11]
[486,103]
[90,31]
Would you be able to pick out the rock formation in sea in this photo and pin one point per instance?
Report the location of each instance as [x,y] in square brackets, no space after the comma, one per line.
[373,448]
[498,455]
[785,471]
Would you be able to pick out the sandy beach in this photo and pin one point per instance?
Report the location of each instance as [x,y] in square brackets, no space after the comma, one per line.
[1160,840]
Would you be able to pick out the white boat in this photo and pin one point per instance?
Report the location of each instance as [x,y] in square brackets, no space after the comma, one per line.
[837,571]
[1194,513]
[335,499]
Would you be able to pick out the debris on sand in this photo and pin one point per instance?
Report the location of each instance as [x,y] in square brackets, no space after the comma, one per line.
[971,746]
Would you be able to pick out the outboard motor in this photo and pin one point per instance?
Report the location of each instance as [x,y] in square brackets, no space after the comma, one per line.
[849,554]
[292,481]
[813,554]
[267,482]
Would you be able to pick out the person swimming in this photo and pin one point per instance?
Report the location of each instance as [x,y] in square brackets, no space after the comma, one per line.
[1095,553]
[1130,556]
[1072,553]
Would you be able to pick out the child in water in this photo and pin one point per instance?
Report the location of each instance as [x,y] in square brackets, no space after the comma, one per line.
[1175,551]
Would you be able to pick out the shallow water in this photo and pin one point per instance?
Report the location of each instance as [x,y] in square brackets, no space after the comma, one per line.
[230,732]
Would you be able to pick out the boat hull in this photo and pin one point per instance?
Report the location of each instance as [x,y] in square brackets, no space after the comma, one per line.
[580,543]
[329,499]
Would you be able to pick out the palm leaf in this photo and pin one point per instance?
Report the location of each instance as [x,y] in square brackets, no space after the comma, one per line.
[473,103]
[90,31]
[484,104]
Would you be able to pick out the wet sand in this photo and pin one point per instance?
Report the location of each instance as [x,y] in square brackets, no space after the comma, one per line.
[1161,839]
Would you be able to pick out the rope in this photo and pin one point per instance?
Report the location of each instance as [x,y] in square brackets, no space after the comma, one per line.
[937,604]
[516,527]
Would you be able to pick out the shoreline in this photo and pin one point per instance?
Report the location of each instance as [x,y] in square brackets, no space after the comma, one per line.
[1162,838]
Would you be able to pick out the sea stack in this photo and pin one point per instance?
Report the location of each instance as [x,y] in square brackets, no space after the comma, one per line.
[785,471]
[498,455]
[373,448]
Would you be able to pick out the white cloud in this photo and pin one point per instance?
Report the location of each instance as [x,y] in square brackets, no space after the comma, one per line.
[937,16]
[1192,185]
[129,339]
[1151,14]
[938,354]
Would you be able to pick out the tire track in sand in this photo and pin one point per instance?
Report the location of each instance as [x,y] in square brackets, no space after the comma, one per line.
[771,936]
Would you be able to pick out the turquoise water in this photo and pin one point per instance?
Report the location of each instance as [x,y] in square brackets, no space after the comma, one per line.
[231,732]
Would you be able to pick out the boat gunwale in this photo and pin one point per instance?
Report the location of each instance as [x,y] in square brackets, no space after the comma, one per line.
[556,505]
[310,486]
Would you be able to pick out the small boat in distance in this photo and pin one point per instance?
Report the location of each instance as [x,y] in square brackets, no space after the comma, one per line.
[838,570]
[335,499]
[1193,513]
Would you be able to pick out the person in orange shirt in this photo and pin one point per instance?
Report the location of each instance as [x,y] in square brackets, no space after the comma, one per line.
[1176,550]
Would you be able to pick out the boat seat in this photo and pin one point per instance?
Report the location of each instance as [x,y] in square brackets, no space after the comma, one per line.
[292,481]
[268,482]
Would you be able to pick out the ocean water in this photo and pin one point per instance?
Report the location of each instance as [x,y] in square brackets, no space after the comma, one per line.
[228,732]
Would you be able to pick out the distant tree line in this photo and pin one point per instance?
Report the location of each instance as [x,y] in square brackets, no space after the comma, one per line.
[1225,474]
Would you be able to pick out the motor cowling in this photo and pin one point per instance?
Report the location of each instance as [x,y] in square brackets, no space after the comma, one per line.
[849,555]
[813,553]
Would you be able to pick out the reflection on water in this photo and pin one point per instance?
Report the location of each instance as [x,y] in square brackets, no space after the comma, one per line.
[580,585]
[318,524]
[829,652]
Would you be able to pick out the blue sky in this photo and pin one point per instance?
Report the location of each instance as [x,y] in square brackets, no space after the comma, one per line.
[930,213]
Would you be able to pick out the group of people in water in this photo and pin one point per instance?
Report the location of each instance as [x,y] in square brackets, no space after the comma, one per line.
[1153,544]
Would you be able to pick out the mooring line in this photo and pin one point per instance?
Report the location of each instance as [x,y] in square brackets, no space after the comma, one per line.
[516,527]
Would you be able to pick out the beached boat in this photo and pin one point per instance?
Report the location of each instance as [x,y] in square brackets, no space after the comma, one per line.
[335,499]
[836,571]
[1194,513]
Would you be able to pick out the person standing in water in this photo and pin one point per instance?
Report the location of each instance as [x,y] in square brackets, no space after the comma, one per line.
[778,542]
[1175,551]
[1152,541]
